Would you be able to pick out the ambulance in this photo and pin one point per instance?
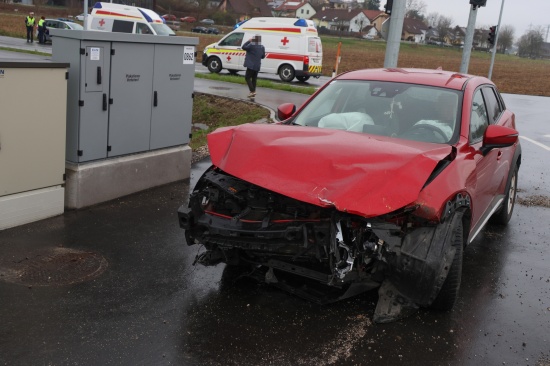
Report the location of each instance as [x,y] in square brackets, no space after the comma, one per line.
[292,48]
[109,17]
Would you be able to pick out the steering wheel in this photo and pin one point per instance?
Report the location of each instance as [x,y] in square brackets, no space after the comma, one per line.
[432,128]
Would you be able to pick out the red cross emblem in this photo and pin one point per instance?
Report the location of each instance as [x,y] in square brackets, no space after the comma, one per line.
[285,41]
[101,22]
[228,58]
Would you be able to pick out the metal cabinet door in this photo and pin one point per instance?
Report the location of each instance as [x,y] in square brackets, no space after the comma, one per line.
[172,96]
[94,97]
[132,96]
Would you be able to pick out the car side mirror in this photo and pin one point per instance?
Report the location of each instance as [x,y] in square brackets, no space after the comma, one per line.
[285,110]
[498,136]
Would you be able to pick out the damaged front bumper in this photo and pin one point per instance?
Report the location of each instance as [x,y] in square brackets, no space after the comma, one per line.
[240,223]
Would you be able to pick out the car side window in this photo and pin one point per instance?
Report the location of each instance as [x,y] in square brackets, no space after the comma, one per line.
[235,39]
[123,26]
[142,28]
[494,109]
[478,118]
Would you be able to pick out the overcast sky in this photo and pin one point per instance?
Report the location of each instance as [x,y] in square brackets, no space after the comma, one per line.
[519,13]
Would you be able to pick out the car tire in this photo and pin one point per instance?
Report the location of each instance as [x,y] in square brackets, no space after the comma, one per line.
[504,214]
[286,73]
[448,294]
[302,79]
[214,65]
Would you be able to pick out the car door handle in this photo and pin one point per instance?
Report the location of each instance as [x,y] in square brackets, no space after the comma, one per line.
[99,75]
[155,99]
[499,155]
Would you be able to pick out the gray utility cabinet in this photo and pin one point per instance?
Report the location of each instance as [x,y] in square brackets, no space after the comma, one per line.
[127,93]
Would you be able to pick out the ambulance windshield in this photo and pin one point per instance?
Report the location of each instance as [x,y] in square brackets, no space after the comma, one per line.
[162,29]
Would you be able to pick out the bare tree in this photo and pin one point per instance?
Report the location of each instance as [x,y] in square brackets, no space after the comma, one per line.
[432,19]
[415,9]
[505,37]
[530,44]
[443,27]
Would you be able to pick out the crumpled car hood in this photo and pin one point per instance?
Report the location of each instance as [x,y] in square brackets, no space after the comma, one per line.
[354,172]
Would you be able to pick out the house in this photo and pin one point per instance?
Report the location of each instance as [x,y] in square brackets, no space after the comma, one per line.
[362,22]
[336,19]
[414,30]
[344,4]
[246,9]
[378,19]
[295,9]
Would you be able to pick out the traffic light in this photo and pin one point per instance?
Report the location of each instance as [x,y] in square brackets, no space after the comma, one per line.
[492,35]
[388,6]
[478,3]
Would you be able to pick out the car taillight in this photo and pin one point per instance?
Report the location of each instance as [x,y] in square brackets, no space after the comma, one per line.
[306,60]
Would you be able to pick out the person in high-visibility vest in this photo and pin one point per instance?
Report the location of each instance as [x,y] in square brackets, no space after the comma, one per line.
[42,30]
[29,23]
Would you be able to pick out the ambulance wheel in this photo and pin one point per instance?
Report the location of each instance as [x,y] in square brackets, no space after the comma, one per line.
[286,73]
[214,65]
[302,79]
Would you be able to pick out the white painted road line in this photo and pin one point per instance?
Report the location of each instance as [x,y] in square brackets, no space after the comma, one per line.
[536,143]
[546,135]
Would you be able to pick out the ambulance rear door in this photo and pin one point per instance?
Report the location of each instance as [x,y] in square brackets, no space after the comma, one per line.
[315,53]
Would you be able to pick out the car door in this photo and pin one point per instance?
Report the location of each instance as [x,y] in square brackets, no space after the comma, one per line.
[498,116]
[231,52]
[486,166]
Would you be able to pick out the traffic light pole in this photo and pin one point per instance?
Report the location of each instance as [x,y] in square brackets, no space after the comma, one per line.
[394,34]
[469,40]
[496,42]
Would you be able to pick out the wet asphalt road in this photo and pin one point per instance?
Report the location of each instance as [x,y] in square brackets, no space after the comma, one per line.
[150,306]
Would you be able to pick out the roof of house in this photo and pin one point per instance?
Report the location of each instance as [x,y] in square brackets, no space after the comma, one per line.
[414,26]
[372,14]
[248,7]
[291,5]
[341,14]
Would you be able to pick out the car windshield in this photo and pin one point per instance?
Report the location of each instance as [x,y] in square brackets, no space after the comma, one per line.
[162,29]
[408,111]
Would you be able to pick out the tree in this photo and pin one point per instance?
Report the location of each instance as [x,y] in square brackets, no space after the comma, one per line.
[505,38]
[443,27]
[371,5]
[530,44]
[415,9]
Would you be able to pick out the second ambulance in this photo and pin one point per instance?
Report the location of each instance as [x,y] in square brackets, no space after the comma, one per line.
[292,47]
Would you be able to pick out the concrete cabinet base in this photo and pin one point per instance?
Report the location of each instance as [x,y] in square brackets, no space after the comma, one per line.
[91,183]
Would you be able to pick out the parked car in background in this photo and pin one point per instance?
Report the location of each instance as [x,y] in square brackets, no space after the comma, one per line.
[60,23]
[170,17]
[207,21]
[393,173]
[188,19]
[80,17]
[212,30]
[199,30]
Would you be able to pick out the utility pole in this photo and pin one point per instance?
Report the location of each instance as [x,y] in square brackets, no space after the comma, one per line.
[469,40]
[496,42]
[394,35]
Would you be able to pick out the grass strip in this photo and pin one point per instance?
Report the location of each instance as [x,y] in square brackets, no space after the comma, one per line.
[238,79]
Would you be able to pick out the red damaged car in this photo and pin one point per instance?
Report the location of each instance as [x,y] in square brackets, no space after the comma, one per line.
[380,180]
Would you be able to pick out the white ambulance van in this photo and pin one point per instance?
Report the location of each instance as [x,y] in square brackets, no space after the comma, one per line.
[109,17]
[292,48]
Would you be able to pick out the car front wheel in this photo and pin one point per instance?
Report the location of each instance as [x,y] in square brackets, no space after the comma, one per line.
[214,65]
[448,294]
